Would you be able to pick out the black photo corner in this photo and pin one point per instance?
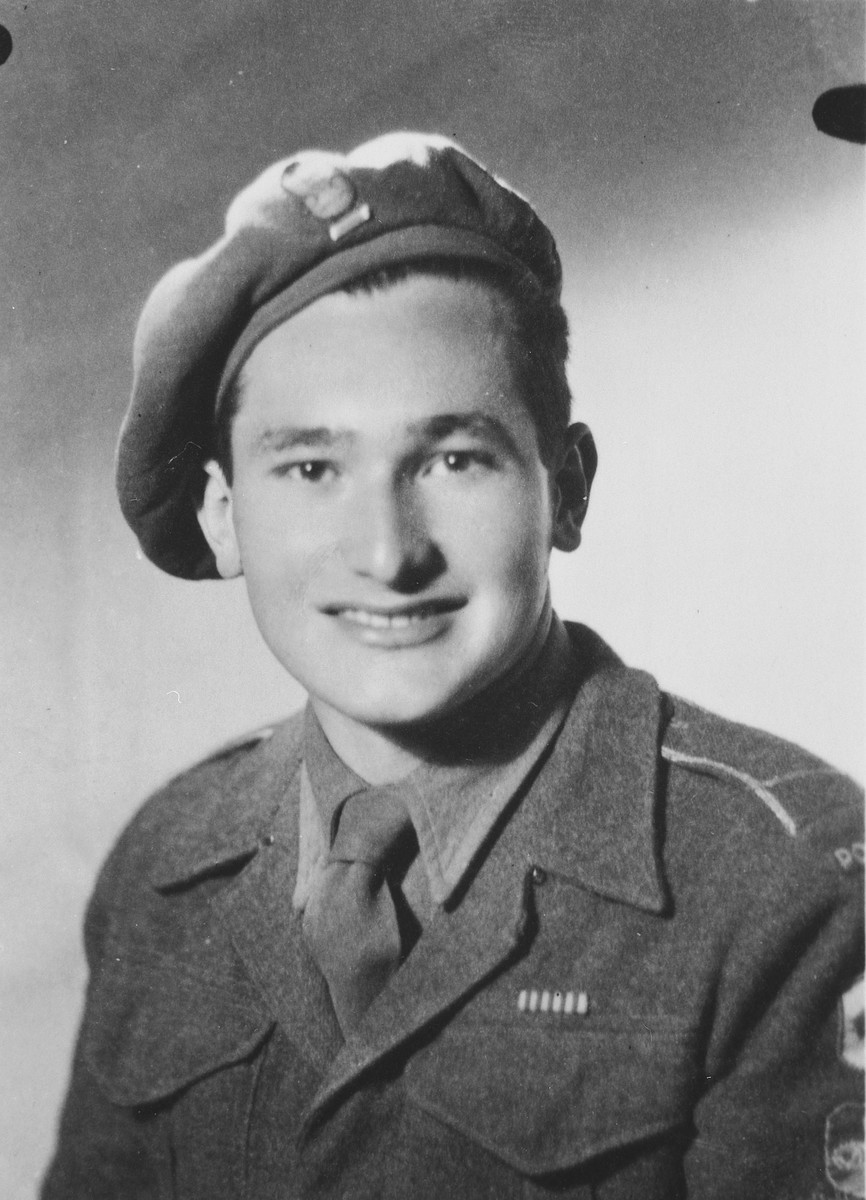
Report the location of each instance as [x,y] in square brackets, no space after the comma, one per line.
[841,112]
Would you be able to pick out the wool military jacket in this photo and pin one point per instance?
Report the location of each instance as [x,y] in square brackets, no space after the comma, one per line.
[645,990]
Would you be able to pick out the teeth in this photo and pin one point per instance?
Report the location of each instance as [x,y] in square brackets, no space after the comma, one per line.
[384,620]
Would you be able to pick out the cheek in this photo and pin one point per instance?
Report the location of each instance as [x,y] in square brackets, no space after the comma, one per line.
[509,549]
[280,557]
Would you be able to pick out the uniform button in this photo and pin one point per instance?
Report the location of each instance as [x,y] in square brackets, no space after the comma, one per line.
[538,875]
[268,839]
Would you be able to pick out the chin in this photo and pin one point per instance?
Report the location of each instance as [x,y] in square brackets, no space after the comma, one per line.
[395,712]
[400,689]
[392,705]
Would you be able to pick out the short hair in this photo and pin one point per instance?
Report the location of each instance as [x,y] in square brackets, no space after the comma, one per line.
[538,337]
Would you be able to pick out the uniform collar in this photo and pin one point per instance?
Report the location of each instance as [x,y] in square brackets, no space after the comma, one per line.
[594,819]
[590,817]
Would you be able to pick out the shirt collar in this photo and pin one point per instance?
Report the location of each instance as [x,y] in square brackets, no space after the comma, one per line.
[331,780]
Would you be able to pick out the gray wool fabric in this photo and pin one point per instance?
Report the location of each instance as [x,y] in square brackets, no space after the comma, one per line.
[645,988]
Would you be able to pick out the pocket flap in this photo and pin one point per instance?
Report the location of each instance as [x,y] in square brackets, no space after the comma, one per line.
[152,1027]
[544,1098]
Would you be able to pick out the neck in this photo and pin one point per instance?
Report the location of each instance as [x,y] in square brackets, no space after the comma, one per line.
[492,727]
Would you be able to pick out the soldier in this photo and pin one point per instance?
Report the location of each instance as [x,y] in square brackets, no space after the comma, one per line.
[494,917]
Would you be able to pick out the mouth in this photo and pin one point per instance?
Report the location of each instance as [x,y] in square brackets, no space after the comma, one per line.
[408,624]
[394,618]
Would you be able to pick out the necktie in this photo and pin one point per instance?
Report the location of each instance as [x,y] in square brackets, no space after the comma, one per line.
[350,921]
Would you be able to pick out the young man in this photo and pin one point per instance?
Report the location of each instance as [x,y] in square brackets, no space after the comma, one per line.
[494,917]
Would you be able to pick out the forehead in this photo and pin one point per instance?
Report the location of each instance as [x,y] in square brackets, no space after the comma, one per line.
[421,343]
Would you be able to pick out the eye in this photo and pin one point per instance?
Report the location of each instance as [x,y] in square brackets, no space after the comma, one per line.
[311,470]
[459,462]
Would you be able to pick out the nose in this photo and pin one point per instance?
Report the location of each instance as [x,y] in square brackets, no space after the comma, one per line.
[387,537]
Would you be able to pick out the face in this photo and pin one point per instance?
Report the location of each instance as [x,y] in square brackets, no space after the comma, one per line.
[389,509]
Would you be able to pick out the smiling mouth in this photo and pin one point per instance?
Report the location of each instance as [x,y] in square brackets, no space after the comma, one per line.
[398,618]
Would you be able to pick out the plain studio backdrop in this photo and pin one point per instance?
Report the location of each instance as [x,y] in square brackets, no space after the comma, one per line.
[714,258]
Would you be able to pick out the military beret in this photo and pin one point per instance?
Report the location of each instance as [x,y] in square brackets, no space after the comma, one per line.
[307,226]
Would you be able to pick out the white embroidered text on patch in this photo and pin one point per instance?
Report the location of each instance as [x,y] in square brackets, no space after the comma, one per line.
[849,856]
[852,1041]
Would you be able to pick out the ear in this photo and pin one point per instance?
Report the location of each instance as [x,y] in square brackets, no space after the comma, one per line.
[217,522]
[571,480]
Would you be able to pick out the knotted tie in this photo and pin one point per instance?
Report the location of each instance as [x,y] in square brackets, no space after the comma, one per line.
[350,921]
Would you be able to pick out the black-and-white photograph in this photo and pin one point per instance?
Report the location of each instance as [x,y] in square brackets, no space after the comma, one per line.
[433,605]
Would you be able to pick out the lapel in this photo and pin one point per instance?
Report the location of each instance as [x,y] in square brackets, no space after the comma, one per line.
[266,934]
[252,920]
[596,821]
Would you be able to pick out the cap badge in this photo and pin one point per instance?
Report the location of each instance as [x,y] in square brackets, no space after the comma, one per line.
[327,193]
[324,189]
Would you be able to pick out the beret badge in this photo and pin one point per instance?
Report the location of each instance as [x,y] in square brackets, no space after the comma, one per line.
[326,192]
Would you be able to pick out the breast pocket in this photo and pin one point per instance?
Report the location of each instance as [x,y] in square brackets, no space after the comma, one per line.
[547,1098]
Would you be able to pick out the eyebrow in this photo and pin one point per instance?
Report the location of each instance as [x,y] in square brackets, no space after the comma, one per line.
[477,424]
[438,428]
[288,437]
